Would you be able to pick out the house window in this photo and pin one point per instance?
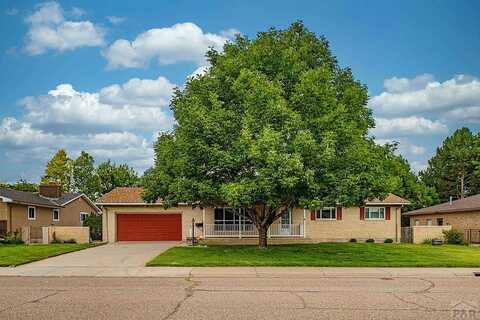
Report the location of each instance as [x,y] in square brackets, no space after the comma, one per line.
[439,221]
[328,213]
[227,216]
[56,215]
[83,217]
[429,222]
[374,213]
[32,213]
[417,222]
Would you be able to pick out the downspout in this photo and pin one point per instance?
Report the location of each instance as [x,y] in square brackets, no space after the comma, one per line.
[204,226]
[304,223]
[10,216]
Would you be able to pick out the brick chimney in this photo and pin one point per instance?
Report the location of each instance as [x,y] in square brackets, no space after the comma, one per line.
[50,190]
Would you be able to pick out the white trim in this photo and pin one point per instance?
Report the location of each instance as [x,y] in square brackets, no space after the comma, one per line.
[325,219]
[83,213]
[376,219]
[34,213]
[5,199]
[386,203]
[53,215]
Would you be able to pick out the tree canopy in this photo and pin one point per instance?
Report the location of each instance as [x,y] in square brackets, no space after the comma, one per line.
[59,170]
[274,123]
[84,176]
[453,171]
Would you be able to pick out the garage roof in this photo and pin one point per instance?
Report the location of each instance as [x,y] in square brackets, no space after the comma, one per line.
[466,204]
[123,195]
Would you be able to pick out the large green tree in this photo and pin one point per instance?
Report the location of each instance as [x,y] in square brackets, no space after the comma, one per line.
[407,184]
[84,176]
[111,175]
[452,169]
[59,170]
[275,123]
[21,185]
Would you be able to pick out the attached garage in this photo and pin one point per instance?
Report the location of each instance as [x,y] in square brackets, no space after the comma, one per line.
[149,227]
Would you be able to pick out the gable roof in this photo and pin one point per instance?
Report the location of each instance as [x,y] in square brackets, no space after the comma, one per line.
[34,198]
[466,204]
[23,197]
[123,195]
[390,199]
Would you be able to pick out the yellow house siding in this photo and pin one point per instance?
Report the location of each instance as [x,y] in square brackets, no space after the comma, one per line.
[3,211]
[459,221]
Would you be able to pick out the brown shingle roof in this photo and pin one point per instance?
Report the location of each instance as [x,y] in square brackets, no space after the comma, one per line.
[123,195]
[390,199]
[466,204]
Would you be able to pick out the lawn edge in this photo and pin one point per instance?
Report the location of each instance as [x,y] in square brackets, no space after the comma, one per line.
[92,245]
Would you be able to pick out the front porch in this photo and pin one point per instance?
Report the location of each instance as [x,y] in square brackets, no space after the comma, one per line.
[230,223]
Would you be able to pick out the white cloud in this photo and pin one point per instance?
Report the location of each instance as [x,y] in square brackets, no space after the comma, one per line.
[77,12]
[180,42]
[48,29]
[399,85]
[11,12]
[424,95]
[116,20]
[407,126]
[468,115]
[137,104]
[141,92]
[200,71]
[418,166]
[24,143]
[405,147]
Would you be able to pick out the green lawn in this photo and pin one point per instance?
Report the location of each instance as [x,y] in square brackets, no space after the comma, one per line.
[323,255]
[14,255]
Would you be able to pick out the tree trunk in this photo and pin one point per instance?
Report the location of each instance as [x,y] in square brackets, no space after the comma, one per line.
[262,237]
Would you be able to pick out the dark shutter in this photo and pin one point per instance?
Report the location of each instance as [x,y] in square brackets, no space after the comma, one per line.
[387,213]
[339,213]
[312,215]
[362,213]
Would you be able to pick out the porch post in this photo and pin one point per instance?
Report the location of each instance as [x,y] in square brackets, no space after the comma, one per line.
[204,225]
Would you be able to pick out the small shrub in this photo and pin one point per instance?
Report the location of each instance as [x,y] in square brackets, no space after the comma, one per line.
[453,236]
[427,241]
[56,241]
[388,241]
[12,238]
[370,240]
[352,240]
[70,241]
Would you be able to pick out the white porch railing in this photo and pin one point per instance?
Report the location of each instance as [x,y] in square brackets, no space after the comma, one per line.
[249,230]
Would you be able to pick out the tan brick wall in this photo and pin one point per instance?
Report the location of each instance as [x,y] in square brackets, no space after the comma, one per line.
[319,230]
[3,211]
[110,221]
[421,233]
[459,221]
[62,233]
[352,227]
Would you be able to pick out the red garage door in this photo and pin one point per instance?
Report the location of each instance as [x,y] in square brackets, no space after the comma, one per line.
[149,227]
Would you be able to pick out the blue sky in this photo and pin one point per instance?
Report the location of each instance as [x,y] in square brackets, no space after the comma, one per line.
[72,70]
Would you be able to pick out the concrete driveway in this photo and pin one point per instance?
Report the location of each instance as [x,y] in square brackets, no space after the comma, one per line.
[116,259]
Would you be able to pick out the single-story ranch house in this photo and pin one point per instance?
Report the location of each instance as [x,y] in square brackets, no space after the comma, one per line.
[49,206]
[126,217]
[462,214]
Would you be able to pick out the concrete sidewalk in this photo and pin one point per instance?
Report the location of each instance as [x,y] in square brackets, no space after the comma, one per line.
[34,270]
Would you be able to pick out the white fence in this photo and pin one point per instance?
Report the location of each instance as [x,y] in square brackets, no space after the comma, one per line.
[249,230]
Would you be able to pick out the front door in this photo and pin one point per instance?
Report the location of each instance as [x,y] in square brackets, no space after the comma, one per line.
[286,222]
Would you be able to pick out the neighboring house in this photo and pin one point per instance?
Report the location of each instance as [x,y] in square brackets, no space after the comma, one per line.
[462,214]
[47,207]
[126,217]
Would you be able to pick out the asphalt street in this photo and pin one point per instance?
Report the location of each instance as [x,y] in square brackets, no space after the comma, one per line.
[285,294]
